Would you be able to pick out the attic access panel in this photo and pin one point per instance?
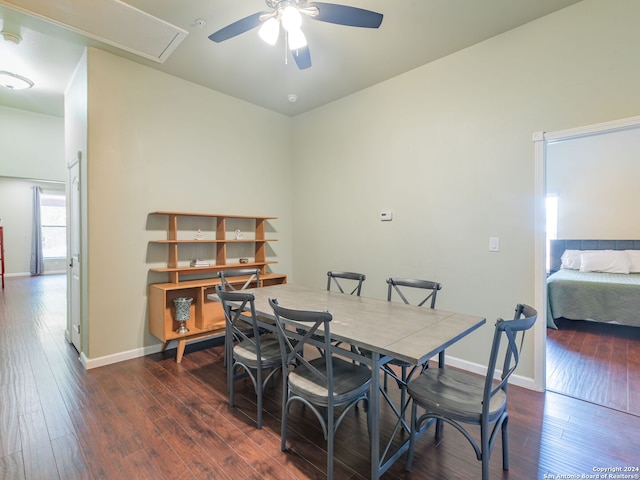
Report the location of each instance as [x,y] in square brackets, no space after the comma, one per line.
[109,21]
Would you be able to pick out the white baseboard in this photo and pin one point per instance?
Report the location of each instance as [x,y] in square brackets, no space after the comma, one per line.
[28,274]
[90,363]
[518,380]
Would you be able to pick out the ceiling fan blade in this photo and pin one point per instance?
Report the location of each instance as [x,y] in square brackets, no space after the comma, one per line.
[236,28]
[345,15]
[302,57]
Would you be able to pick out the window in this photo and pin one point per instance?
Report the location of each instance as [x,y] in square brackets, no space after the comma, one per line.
[53,217]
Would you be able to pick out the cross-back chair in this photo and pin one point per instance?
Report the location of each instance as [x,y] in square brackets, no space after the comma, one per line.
[353,279]
[249,353]
[427,294]
[233,280]
[227,278]
[457,397]
[322,384]
[335,278]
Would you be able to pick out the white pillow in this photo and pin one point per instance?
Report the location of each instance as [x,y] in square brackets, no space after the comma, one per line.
[571,259]
[609,261]
[634,260]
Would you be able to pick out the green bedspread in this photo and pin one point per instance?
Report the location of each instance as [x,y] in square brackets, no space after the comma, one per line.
[603,297]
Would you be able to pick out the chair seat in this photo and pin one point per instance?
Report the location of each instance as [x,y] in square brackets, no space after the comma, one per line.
[245,352]
[454,394]
[349,381]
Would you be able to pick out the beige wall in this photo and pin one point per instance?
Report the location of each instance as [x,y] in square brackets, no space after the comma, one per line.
[596,181]
[31,145]
[16,210]
[31,150]
[448,148]
[156,142]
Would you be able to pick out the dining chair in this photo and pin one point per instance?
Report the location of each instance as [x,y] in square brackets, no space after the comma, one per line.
[458,397]
[321,384]
[250,352]
[227,276]
[230,285]
[427,294]
[334,278]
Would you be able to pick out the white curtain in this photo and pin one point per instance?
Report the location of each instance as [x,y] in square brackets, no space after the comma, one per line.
[37,261]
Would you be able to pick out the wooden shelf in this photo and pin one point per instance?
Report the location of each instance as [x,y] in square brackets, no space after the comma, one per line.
[206,317]
[216,241]
[211,215]
[215,268]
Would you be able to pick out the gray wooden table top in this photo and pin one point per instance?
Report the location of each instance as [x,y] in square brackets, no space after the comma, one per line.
[406,332]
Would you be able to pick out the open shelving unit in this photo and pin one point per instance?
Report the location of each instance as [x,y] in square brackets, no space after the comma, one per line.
[220,237]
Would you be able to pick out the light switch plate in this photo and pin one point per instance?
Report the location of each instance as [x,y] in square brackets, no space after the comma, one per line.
[494,244]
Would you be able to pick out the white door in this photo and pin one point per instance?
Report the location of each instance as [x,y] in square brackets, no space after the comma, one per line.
[74,254]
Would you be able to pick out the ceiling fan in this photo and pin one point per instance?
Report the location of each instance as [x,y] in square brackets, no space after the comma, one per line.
[288,15]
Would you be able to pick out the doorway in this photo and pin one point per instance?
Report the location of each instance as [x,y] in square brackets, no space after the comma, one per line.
[604,220]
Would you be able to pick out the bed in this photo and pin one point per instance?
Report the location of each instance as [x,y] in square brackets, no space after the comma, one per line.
[578,291]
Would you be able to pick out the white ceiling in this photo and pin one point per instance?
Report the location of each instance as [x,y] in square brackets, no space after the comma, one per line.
[344,59]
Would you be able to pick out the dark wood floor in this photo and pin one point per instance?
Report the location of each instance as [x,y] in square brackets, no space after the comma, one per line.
[150,418]
[596,362]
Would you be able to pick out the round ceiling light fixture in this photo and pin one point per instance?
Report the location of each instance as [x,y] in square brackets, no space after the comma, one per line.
[292,97]
[10,80]
[11,37]
[14,81]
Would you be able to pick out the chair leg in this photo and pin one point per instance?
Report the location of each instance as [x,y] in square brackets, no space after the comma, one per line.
[259,397]
[331,434]
[230,382]
[403,386]
[505,444]
[439,425]
[283,422]
[412,436]
[484,449]
[369,419]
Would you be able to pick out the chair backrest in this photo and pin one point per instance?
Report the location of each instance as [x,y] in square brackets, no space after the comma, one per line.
[523,319]
[226,277]
[307,325]
[334,277]
[236,305]
[397,284]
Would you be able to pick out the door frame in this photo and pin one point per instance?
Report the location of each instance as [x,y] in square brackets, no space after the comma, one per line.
[541,140]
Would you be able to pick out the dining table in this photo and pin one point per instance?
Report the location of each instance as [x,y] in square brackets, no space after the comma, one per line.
[387,330]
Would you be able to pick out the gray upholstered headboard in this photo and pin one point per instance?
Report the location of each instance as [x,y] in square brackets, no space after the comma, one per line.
[559,246]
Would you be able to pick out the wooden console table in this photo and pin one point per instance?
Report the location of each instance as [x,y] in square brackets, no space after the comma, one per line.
[226,242]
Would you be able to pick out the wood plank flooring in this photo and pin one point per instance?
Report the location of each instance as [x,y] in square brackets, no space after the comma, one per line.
[150,418]
[595,362]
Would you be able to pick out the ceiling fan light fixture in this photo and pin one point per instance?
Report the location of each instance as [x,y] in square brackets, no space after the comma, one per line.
[291,18]
[296,39]
[13,81]
[270,30]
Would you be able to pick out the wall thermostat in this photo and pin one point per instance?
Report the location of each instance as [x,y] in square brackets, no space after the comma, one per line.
[386,215]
